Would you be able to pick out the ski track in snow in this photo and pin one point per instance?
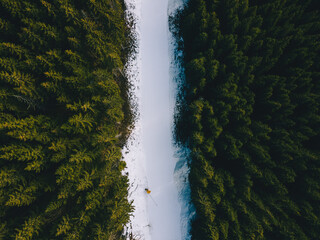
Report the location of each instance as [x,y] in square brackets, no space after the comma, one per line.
[152,159]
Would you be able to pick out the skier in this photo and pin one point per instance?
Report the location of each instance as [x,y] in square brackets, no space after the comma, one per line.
[148,191]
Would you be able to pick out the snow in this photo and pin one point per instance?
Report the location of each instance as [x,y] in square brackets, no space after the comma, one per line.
[153,160]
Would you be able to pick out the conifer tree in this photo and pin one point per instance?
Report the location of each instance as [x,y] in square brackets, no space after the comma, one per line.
[250,116]
[62,112]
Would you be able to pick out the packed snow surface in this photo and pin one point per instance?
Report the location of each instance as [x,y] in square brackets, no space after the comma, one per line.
[152,160]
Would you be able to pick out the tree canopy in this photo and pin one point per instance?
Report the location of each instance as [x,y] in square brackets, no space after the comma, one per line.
[62,119]
[250,116]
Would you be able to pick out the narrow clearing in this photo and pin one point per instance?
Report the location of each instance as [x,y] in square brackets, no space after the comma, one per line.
[150,152]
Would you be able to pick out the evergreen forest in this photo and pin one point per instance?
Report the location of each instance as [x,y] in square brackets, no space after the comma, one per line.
[249,112]
[63,119]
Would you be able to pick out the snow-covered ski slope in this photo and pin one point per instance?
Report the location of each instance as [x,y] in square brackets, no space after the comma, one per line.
[150,154]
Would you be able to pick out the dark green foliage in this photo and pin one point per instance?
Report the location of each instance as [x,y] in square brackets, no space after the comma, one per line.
[62,120]
[251,117]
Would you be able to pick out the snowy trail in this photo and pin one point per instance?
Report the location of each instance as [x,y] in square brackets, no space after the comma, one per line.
[156,117]
[150,154]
